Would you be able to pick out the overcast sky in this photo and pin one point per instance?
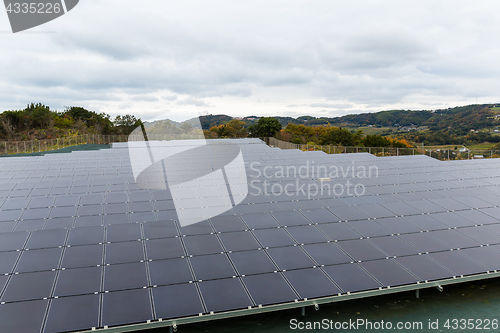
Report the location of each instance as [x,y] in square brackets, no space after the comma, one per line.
[289,58]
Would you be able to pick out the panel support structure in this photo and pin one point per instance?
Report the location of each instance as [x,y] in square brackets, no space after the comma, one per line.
[301,303]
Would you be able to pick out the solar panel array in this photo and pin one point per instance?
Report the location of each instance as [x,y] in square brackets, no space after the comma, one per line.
[82,246]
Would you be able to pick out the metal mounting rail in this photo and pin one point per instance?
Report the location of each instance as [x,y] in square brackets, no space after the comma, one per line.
[296,304]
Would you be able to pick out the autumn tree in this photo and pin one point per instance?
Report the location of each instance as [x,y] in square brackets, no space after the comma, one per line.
[265,127]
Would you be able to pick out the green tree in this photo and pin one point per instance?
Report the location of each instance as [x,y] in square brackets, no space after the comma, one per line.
[127,123]
[265,127]
[375,141]
[186,127]
[236,128]
[341,136]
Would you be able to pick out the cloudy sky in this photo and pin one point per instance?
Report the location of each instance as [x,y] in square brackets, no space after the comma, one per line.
[180,59]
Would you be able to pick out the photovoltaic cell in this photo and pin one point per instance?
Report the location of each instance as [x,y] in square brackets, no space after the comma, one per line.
[477,217]
[342,275]
[424,268]
[202,244]
[239,241]
[228,223]
[375,211]
[394,246]
[319,215]
[348,213]
[85,236]
[273,237]
[327,254]
[61,316]
[47,238]
[87,208]
[311,283]
[160,229]
[454,238]
[361,249]
[125,276]
[7,261]
[29,286]
[259,221]
[425,222]
[123,232]
[122,307]
[269,288]
[13,241]
[307,234]
[484,256]
[339,231]
[480,234]
[452,220]
[290,218]
[388,272]
[457,262]
[368,228]
[83,256]
[397,225]
[224,294]
[123,252]
[177,301]
[13,316]
[78,281]
[164,248]
[291,257]
[252,262]
[39,260]
[214,266]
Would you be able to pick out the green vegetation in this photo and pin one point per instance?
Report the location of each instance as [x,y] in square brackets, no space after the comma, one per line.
[473,126]
[485,145]
[265,127]
[371,130]
[331,135]
[37,122]
[463,125]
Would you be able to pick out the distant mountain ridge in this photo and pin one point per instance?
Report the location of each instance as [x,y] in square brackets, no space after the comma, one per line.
[460,118]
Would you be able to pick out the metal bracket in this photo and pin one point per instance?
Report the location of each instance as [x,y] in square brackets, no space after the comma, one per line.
[303,311]
[172,328]
[316,307]
[417,293]
[440,288]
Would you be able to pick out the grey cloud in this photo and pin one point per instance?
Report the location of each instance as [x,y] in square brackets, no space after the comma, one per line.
[145,98]
[331,106]
[192,101]
[377,55]
[170,98]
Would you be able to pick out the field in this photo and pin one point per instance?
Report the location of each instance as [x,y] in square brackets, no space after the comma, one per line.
[443,147]
[484,145]
[370,130]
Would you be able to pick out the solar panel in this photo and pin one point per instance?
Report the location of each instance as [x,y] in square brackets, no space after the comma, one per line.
[83,246]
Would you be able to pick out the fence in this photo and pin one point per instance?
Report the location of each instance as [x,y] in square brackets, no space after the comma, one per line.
[23,147]
[449,154]
[20,147]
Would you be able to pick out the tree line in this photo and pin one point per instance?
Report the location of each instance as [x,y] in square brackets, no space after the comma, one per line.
[302,134]
[38,121]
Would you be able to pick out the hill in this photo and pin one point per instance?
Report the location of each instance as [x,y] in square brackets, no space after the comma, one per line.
[459,125]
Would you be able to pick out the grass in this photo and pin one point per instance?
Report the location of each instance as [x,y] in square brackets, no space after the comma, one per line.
[370,130]
[484,145]
[445,147]
[496,109]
